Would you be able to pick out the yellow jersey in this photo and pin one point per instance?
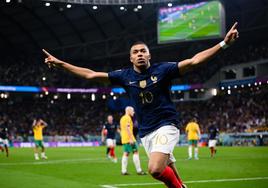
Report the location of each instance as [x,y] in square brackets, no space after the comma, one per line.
[38,131]
[192,129]
[126,122]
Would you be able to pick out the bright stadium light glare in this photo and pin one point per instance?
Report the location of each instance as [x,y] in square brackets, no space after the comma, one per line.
[169,4]
[114,97]
[41,95]
[52,102]
[69,6]
[229,92]
[8,1]
[255,83]
[139,7]
[122,8]
[259,83]
[2,95]
[68,96]
[112,93]
[135,9]
[249,85]
[242,86]
[222,88]
[47,4]
[235,86]
[46,93]
[44,78]
[214,91]
[55,97]
[95,7]
[93,97]
[103,96]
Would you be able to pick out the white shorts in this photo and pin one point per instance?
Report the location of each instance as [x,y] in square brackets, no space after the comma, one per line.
[4,141]
[110,142]
[212,143]
[162,140]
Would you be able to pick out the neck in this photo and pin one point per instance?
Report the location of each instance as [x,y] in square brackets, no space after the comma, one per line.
[141,69]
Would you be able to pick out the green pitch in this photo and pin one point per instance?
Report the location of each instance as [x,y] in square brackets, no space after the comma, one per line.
[233,167]
[202,22]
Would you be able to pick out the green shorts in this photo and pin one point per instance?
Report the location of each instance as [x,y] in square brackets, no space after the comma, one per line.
[192,142]
[39,143]
[128,148]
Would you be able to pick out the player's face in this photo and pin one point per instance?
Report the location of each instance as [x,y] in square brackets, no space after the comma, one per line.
[132,112]
[110,119]
[140,56]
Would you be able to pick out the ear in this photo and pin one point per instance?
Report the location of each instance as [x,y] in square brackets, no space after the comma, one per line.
[149,57]
[131,60]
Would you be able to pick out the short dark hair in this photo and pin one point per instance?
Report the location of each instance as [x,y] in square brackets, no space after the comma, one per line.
[137,43]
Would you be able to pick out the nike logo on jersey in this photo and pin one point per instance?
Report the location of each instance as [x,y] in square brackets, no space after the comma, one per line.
[132,82]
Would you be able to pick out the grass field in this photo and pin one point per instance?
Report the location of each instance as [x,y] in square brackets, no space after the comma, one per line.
[233,167]
[197,23]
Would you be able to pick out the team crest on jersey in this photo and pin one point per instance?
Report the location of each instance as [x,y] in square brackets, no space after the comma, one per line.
[154,79]
[143,83]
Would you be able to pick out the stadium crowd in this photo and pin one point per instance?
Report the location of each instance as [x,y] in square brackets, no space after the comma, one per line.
[32,71]
[243,111]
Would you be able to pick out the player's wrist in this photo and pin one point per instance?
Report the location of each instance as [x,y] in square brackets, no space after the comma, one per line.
[223,45]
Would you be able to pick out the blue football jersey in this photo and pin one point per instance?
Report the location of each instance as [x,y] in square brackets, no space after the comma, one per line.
[111,130]
[149,92]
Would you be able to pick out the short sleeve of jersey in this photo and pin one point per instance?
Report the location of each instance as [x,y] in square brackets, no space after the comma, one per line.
[172,69]
[116,77]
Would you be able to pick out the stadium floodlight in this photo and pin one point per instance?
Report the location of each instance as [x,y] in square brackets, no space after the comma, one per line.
[68,5]
[47,4]
[8,1]
[112,2]
[95,7]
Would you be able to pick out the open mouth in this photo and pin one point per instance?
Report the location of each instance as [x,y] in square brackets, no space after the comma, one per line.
[141,60]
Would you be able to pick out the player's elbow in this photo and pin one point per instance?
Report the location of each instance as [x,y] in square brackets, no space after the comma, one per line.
[90,75]
[194,61]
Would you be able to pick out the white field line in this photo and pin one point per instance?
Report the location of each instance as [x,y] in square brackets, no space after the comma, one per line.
[187,182]
[45,162]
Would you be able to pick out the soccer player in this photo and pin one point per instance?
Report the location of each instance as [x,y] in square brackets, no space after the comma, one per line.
[38,126]
[4,138]
[213,132]
[193,134]
[129,142]
[111,129]
[148,86]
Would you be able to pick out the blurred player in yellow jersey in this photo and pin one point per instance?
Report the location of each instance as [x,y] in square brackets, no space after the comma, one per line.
[129,142]
[193,132]
[38,126]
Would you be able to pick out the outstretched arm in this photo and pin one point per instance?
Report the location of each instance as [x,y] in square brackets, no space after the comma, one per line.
[52,61]
[204,56]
